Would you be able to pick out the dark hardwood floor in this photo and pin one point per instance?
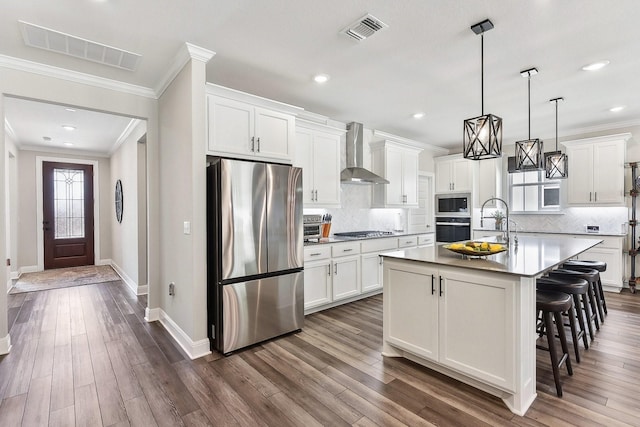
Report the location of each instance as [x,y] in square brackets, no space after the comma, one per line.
[85,356]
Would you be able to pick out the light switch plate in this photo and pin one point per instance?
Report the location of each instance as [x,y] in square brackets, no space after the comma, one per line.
[593,228]
[187,227]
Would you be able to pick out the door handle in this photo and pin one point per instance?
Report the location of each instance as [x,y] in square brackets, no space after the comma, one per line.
[45,225]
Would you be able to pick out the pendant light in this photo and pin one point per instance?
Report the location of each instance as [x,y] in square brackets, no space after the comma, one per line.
[482,135]
[529,153]
[555,161]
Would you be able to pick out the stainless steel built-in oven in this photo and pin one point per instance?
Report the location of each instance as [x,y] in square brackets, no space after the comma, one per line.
[453,204]
[453,229]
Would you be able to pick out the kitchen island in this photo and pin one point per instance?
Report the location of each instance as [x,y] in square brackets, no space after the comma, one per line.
[472,319]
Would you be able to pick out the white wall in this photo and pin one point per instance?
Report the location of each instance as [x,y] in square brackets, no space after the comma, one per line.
[182,118]
[124,235]
[65,90]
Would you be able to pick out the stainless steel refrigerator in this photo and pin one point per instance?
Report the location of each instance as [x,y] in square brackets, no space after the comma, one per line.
[254,252]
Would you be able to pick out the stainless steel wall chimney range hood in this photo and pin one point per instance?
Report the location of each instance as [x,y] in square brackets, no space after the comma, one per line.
[354,173]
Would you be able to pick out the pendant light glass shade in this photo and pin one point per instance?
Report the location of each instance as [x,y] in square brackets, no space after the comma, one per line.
[529,153]
[556,162]
[482,135]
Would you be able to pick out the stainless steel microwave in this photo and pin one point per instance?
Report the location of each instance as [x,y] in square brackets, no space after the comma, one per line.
[453,204]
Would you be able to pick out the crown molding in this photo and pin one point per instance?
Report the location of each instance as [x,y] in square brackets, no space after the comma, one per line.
[409,142]
[133,123]
[65,151]
[186,53]
[74,76]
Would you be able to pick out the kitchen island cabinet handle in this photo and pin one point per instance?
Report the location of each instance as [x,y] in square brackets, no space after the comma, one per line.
[315,254]
[433,288]
[440,285]
[335,268]
[329,270]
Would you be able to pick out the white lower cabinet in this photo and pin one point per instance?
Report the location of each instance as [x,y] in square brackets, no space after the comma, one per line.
[609,251]
[346,277]
[317,276]
[371,262]
[442,315]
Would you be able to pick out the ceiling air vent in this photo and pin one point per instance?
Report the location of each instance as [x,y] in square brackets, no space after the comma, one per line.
[55,41]
[364,27]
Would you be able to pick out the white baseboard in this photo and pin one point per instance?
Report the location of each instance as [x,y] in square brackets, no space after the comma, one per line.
[15,275]
[143,290]
[128,280]
[611,288]
[29,269]
[5,344]
[151,314]
[194,349]
[104,262]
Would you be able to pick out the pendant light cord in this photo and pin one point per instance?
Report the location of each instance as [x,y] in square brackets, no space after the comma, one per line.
[556,125]
[482,71]
[529,100]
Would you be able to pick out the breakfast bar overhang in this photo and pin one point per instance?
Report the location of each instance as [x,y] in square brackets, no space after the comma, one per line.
[472,319]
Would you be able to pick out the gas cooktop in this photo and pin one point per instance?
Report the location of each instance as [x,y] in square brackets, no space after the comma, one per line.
[363,234]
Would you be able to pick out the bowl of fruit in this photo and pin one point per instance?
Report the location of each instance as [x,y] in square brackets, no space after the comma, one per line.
[472,248]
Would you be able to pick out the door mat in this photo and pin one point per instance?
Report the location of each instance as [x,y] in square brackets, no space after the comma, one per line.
[63,278]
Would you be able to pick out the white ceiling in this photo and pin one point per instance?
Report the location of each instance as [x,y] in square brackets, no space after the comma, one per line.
[427,60]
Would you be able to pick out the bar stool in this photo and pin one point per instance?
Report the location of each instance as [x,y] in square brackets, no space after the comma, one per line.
[552,304]
[577,288]
[591,309]
[601,266]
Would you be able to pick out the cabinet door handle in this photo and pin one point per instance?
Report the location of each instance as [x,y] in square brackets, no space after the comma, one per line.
[253,143]
[595,196]
[335,268]
[433,286]
[408,242]
[347,250]
[316,195]
[440,285]
[589,195]
[315,254]
[312,195]
[329,270]
[258,150]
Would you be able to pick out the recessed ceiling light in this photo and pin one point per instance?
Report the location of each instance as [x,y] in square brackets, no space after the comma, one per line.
[595,66]
[70,109]
[68,144]
[418,115]
[321,78]
[616,109]
[46,138]
[68,127]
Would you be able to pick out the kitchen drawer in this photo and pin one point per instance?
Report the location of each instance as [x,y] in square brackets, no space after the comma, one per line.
[343,249]
[426,240]
[379,245]
[317,252]
[407,241]
[607,241]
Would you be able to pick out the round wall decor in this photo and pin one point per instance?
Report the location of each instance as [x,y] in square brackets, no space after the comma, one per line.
[119,200]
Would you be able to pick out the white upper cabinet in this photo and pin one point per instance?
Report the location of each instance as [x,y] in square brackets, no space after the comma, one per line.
[489,181]
[398,163]
[453,174]
[238,127]
[596,171]
[318,154]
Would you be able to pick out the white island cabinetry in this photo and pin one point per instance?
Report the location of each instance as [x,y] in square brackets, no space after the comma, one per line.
[472,319]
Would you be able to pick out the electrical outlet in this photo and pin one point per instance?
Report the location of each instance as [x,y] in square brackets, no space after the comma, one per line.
[172,289]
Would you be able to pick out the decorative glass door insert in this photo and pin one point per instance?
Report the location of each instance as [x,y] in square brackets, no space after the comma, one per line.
[69,198]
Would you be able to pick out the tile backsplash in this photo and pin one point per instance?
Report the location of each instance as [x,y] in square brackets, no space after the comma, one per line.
[611,220]
[356,213]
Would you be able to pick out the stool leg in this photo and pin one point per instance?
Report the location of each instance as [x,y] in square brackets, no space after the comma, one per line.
[563,342]
[598,295]
[574,334]
[604,302]
[578,313]
[587,314]
[594,308]
[552,351]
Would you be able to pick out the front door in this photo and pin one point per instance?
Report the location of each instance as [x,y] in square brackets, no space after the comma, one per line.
[67,214]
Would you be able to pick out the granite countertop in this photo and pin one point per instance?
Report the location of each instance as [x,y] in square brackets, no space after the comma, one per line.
[531,257]
[351,239]
[577,233]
